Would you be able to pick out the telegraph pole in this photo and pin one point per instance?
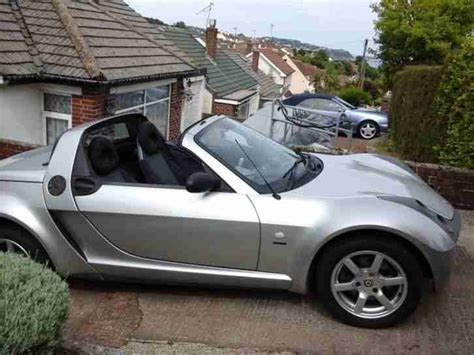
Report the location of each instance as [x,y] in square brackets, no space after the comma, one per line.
[271,33]
[362,66]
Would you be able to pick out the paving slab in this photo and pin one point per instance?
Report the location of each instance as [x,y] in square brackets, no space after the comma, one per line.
[165,319]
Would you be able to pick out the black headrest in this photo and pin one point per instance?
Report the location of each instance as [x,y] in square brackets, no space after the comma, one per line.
[103,155]
[149,138]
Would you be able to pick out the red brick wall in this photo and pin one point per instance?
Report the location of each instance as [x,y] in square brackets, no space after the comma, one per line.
[224,109]
[9,148]
[90,106]
[455,185]
[176,104]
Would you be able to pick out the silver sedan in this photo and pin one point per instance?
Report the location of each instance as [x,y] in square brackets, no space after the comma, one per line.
[226,206]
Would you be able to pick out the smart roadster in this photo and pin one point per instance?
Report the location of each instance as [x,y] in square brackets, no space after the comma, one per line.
[226,206]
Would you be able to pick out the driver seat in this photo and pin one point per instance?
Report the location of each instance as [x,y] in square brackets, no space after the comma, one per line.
[155,159]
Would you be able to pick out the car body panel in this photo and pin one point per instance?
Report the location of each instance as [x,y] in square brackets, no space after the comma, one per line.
[194,228]
[276,240]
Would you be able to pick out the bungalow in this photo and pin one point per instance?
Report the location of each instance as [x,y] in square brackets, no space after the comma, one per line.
[229,90]
[63,63]
[271,63]
[268,89]
[302,80]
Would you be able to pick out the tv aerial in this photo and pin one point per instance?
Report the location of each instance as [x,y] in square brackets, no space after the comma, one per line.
[207,8]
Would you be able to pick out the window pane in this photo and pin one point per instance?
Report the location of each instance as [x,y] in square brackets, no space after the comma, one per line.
[57,103]
[129,99]
[243,111]
[158,115]
[158,93]
[54,128]
[320,104]
[112,132]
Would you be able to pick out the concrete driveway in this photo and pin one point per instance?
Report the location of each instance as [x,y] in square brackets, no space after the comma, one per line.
[151,319]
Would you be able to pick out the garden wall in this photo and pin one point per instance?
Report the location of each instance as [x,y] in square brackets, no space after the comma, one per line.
[454,184]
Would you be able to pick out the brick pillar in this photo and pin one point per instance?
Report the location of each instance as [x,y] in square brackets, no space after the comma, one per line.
[176,105]
[90,106]
[224,109]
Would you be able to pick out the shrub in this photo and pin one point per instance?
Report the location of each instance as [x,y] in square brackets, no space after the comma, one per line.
[455,105]
[355,96]
[34,303]
[415,125]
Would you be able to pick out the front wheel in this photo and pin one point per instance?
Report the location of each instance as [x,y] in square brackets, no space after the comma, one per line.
[368,129]
[371,282]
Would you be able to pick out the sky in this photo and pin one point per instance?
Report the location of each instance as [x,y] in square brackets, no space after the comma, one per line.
[340,24]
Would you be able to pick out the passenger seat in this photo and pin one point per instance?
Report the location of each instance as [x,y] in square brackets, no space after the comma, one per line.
[156,161]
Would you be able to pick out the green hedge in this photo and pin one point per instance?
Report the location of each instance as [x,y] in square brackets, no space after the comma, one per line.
[416,128]
[355,96]
[34,304]
[455,104]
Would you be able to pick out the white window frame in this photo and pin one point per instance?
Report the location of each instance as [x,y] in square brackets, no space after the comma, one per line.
[54,115]
[145,104]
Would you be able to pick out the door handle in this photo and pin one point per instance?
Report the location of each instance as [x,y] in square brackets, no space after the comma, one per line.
[83,186]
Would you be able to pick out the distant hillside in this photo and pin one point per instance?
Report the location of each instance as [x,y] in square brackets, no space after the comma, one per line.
[335,54]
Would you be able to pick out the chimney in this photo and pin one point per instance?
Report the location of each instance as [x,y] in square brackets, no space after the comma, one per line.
[211,39]
[248,47]
[255,58]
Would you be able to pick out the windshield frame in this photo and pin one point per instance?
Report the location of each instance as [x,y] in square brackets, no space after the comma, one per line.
[344,103]
[300,180]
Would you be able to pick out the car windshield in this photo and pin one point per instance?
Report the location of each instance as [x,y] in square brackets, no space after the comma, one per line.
[250,155]
[345,103]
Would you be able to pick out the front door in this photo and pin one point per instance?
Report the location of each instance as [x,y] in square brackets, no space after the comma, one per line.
[172,224]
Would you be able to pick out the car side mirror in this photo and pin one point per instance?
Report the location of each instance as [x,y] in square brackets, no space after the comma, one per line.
[202,182]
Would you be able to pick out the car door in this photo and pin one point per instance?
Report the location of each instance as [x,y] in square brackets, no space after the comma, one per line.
[323,106]
[169,223]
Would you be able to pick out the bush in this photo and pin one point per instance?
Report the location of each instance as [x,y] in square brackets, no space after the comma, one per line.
[355,96]
[34,303]
[416,128]
[455,105]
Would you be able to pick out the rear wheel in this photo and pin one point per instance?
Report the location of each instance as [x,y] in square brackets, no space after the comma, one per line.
[369,281]
[14,239]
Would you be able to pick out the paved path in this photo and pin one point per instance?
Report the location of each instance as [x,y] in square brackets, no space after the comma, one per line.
[182,320]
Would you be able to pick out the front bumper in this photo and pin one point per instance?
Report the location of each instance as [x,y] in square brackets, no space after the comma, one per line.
[383,128]
[441,262]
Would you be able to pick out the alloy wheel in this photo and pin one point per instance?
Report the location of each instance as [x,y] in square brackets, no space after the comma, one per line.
[369,284]
[368,130]
[10,246]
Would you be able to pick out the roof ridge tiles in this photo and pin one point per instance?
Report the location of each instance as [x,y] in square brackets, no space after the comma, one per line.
[82,48]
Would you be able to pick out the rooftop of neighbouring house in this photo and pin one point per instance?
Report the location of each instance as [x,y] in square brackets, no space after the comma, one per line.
[268,88]
[308,70]
[276,58]
[225,76]
[84,41]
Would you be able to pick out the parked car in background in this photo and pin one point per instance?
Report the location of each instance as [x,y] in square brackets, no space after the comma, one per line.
[367,123]
[227,206]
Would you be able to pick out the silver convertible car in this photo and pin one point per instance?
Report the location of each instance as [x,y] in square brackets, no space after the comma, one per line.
[226,206]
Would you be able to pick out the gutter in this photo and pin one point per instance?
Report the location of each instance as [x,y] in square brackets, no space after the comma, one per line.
[58,79]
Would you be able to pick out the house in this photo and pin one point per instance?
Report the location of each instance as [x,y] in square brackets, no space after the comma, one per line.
[64,63]
[269,91]
[229,90]
[302,80]
[271,63]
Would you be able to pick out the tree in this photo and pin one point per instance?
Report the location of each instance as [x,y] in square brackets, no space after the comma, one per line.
[180,24]
[420,32]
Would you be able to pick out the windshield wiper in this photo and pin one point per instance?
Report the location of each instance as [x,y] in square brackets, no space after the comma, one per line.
[274,193]
[291,171]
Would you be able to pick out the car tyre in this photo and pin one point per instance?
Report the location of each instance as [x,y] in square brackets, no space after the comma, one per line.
[368,129]
[17,240]
[398,262]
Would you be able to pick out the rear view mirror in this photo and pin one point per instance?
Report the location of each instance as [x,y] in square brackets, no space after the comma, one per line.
[202,182]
